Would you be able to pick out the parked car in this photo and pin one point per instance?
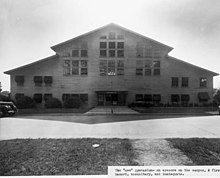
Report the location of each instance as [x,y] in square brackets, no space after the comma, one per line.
[219,110]
[7,108]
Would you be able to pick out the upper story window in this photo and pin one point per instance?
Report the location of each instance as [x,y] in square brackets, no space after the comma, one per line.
[203,82]
[48,80]
[185,81]
[112,47]
[75,67]
[111,67]
[175,82]
[38,80]
[147,67]
[81,51]
[19,79]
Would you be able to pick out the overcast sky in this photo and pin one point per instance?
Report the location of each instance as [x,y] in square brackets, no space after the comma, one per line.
[28,28]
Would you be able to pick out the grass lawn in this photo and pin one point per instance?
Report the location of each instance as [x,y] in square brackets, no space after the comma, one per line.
[21,157]
[201,151]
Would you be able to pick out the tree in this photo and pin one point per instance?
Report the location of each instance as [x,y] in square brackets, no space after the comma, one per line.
[217,96]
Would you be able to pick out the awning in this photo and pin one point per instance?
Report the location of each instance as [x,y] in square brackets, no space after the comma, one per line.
[203,96]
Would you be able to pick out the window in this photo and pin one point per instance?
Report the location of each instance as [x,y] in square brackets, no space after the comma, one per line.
[156,98]
[111,35]
[84,53]
[111,45]
[185,81]
[103,37]
[103,53]
[67,67]
[103,45]
[175,98]
[48,80]
[75,53]
[111,67]
[103,67]
[66,54]
[38,80]
[120,67]
[148,66]
[203,82]
[38,97]
[84,97]
[147,98]
[120,37]
[111,53]
[47,96]
[19,79]
[156,67]
[175,82]
[120,45]
[139,67]
[139,98]
[120,53]
[19,96]
[75,67]
[185,98]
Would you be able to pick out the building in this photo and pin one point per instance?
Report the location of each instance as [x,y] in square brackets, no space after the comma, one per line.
[113,66]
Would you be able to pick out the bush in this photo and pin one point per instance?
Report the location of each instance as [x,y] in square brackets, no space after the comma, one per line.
[72,103]
[53,103]
[25,102]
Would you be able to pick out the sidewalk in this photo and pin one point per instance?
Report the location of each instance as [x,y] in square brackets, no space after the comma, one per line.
[111,110]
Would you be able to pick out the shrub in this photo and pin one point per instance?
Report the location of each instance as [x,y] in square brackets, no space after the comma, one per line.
[4,98]
[53,103]
[25,102]
[72,103]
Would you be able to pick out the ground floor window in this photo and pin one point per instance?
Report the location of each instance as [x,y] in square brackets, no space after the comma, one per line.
[82,97]
[19,96]
[38,97]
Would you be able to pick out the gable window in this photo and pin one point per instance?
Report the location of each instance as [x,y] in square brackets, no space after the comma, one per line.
[48,80]
[84,67]
[84,53]
[47,96]
[203,82]
[148,66]
[103,67]
[75,53]
[120,67]
[38,80]
[19,79]
[67,67]
[38,97]
[156,67]
[19,96]
[103,53]
[120,53]
[175,82]
[139,67]
[111,53]
[185,81]
[111,35]
[103,45]
[75,67]
[111,67]
[111,45]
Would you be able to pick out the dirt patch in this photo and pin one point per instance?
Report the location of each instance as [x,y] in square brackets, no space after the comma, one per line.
[158,152]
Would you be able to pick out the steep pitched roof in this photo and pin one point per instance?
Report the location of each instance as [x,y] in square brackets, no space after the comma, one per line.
[109,25]
[31,64]
[205,70]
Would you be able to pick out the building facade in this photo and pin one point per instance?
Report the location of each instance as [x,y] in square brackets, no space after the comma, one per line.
[112,66]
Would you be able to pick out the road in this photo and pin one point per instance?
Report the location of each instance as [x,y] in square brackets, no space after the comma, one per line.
[109,126]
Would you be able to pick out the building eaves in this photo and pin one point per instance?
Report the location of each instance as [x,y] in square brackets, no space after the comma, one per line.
[31,64]
[111,24]
[205,70]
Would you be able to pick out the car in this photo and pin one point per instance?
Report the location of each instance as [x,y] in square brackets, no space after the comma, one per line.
[219,110]
[7,108]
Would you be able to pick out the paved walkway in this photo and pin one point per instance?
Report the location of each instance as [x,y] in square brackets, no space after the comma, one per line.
[37,127]
[111,110]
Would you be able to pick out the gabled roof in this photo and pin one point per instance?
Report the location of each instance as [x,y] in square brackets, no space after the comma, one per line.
[109,25]
[179,60]
[31,64]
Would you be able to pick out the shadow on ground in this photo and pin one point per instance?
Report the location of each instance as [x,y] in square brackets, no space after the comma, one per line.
[100,119]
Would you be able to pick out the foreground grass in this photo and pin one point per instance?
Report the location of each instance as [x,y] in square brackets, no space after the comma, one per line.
[63,156]
[201,151]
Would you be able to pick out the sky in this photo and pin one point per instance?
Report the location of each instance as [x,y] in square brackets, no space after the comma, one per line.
[28,28]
